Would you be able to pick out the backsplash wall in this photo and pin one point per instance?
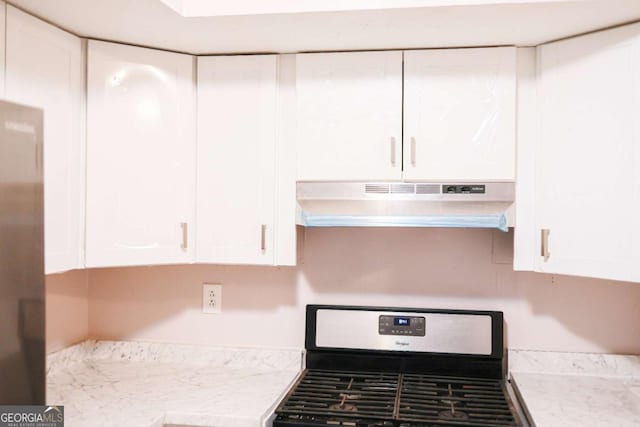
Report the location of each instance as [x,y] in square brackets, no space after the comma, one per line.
[264,306]
[67,309]
[439,268]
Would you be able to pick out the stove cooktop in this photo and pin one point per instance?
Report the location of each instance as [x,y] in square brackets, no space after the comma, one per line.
[402,367]
[382,399]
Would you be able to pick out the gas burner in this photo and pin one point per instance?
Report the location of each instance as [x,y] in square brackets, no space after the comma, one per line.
[347,407]
[453,415]
[344,405]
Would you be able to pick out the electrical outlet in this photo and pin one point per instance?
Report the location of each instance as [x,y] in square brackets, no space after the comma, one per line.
[211,298]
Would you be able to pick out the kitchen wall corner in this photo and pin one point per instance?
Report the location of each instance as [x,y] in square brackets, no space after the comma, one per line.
[67,308]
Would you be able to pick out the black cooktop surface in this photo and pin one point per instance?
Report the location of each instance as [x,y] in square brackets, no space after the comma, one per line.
[381,399]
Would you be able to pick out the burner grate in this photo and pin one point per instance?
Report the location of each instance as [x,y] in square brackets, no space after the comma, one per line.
[387,399]
[454,401]
[370,395]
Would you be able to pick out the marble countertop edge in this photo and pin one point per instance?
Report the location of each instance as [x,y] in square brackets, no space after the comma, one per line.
[565,363]
[577,389]
[187,354]
[156,384]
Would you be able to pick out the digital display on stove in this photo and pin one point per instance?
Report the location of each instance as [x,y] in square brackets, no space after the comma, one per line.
[413,326]
[401,321]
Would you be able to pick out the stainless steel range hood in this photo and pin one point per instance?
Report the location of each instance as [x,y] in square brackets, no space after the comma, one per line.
[403,204]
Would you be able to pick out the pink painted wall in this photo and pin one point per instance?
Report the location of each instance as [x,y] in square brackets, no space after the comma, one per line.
[67,309]
[264,306]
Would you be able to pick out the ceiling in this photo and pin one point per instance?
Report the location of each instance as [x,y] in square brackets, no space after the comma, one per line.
[191,8]
[253,28]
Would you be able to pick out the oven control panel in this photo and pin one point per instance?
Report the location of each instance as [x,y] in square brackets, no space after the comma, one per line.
[413,326]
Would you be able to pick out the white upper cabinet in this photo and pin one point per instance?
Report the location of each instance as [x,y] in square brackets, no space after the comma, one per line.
[459,114]
[44,68]
[237,116]
[3,45]
[349,115]
[587,158]
[141,156]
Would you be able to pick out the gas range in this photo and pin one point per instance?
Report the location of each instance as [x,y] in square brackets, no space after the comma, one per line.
[391,367]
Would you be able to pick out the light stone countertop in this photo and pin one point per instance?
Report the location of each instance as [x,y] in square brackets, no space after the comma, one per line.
[122,384]
[103,384]
[576,389]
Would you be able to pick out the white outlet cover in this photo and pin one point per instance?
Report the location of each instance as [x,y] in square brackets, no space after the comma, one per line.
[211,298]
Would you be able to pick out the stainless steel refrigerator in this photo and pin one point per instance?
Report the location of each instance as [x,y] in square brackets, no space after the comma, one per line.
[22,327]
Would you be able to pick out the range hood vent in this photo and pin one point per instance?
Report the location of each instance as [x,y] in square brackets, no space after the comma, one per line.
[402,204]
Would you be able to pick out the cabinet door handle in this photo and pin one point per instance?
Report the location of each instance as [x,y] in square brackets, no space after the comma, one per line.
[263,237]
[39,157]
[185,235]
[544,243]
[413,151]
[393,151]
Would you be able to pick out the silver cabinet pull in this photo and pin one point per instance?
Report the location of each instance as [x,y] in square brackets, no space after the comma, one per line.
[263,237]
[413,151]
[393,151]
[544,243]
[39,157]
[185,235]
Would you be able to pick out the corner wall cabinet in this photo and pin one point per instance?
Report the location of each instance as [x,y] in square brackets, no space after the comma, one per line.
[44,68]
[586,159]
[141,157]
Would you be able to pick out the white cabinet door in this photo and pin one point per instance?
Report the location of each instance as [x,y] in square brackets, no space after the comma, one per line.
[588,154]
[140,156]
[459,114]
[237,112]
[45,69]
[3,45]
[349,115]
[526,237]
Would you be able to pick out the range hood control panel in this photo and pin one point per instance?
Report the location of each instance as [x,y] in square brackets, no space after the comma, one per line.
[463,189]
[413,326]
